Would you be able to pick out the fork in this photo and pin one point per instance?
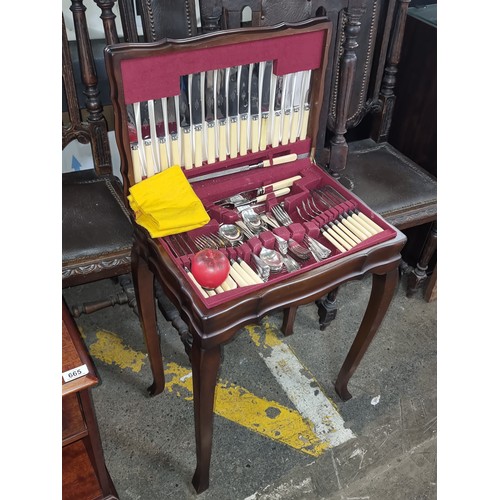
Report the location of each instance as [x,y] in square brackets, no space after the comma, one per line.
[318,250]
[281,215]
[298,250]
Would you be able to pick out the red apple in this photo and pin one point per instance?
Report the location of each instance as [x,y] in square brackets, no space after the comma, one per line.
[210,267]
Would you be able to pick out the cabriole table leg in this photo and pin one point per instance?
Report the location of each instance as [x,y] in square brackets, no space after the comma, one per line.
[146,307]
[383,287]
[205,364]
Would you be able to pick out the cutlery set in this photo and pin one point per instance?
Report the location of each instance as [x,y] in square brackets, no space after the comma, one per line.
[240,118]
[281,251]
[216,115]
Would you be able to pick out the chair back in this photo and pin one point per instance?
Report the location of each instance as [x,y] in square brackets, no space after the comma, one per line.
[364,53]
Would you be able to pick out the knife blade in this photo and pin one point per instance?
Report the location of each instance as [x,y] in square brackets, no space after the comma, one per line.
[197,115]
[137,164]
[287,104]
[243,82]
[210,115]
[185,119]
[278,103]
[173,130]
[297,98]
[252,194]
[221,100]
[232,108]
[146,138]
[254,105]
[264,106]
[306,105]
[262,164]
[161,139]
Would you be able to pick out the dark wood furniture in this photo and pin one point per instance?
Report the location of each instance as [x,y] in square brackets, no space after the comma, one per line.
[84,472]
[96,227]
[399,189]
[214,321]
[414,126]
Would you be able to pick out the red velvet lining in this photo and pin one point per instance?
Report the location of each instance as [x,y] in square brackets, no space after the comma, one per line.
[312,177]
[155,77]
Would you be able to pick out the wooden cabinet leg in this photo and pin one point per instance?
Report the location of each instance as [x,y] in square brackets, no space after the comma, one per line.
[383,287]
[146,308]
[94,439]
[327,309]
[206,364]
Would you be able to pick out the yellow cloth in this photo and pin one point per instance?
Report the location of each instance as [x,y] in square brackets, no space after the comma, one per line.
[167,204]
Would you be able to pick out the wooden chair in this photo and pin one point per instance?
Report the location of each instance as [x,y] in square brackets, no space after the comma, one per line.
[96,226]
[403,192]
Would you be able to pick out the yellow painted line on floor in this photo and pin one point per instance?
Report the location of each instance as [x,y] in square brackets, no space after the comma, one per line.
[110,349]
[265,417]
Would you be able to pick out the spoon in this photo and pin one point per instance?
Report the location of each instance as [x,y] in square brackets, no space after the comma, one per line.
[231,232]
[272,258]
[252,220]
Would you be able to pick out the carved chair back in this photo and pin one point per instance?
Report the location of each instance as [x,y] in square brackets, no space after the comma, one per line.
[363,58]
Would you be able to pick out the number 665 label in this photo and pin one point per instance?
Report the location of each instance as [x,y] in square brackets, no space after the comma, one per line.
[75,373]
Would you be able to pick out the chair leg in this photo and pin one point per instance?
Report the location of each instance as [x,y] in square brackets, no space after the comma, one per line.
[419,274]
[205,364]
[126,296]
[171,314]
[327,309]
[146,306]
[383,287]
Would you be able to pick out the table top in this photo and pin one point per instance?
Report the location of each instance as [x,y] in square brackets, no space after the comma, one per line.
[76,361]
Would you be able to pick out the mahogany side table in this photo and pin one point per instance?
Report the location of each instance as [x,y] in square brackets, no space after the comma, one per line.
[84,472]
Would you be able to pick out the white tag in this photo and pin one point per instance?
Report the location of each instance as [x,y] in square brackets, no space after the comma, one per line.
[75,373]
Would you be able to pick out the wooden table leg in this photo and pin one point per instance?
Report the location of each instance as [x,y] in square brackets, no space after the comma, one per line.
[146,307]
[206,364]
[383,287]
[288,320]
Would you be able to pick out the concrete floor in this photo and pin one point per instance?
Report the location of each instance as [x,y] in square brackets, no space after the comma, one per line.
[149,442]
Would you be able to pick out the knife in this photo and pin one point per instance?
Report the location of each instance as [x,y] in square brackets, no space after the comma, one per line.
[210,115]
[173,130]
[305,100]
[145,108]
[243,107]
[297,101]
[185,119]
[255,195]
[239,201]
[232,108]
[196,111]
[160,133]
[278,101]
[134,144]
[262,164]
[288,93]
[264,105]
[254,105]
[221,112]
